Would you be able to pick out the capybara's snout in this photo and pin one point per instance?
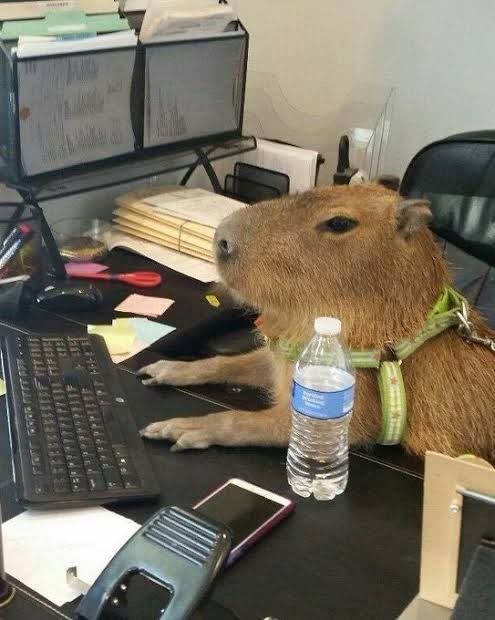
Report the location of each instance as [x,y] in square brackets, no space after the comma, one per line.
[227,239]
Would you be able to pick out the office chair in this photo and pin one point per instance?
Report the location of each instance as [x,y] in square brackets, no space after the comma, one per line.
[457,175]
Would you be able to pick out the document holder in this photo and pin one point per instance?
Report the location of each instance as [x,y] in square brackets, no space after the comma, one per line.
[247,190]
[177,550]
[193,88]
[68,111]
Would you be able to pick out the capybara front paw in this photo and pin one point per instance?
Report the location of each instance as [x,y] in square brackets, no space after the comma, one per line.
[167,372]
[185,433]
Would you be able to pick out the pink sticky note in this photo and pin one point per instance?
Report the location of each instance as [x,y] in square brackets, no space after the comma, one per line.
[147,306]
[84,269]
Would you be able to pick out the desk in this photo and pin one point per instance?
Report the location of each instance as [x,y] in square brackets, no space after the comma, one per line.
[355,557]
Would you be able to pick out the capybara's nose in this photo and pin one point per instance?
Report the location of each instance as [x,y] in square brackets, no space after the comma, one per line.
[225,247]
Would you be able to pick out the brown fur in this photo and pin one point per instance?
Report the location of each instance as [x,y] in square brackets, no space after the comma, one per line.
[381,278]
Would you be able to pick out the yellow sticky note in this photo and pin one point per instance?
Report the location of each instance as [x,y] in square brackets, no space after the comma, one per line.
[119,336]
[2,387]
[213,300]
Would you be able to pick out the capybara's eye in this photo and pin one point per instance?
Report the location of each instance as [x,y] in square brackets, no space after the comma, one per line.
[339,224]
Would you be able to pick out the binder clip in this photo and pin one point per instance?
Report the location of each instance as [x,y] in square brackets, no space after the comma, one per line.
[174,557]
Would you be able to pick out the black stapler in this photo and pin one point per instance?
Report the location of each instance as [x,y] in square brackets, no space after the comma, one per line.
[178,552]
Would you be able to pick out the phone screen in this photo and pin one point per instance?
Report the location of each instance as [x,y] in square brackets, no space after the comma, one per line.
[240,509]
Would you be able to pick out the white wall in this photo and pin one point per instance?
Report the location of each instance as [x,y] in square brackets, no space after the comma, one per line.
[438,53]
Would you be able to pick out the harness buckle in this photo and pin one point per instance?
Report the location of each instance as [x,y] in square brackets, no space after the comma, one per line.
[388,353]
[468,332]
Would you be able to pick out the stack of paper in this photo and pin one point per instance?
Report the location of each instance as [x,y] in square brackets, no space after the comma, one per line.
[181,219]
[36,9]
[183,17]
[40,547]
[46,45]
[183,263]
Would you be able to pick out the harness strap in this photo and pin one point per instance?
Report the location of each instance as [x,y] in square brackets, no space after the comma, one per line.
[444,314]
[394,404]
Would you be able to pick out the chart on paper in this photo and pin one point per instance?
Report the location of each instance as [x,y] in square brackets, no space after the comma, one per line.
[74,109]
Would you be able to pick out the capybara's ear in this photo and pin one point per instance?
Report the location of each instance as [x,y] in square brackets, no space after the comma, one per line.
[412,215]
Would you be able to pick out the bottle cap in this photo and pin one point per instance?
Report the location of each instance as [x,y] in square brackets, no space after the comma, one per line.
[328,326]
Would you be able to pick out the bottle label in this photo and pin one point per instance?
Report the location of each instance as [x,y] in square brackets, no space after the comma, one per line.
[322,405]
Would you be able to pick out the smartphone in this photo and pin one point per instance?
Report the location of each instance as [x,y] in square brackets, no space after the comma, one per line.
[248,510]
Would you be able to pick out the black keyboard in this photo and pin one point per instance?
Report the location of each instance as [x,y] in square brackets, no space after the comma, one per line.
[74,440]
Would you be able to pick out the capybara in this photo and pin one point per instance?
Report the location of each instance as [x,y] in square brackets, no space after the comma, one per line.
[362,254]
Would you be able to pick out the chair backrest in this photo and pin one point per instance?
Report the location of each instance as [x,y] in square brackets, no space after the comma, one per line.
[457,175]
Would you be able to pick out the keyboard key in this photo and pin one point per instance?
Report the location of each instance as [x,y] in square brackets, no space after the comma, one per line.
[103,443]
[58,472]
[92,469]
[120,452]
[105,451]
[96,482]
[112,478]
[36,458]
[98,427]
[74,462]
[72,453]
[131,481]
[107,463]
[76,472]
[125,470]
[62,487]
[112,425]
[40,486]
[78,484]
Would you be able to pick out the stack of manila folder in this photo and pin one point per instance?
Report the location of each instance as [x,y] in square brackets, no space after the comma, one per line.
[174,217]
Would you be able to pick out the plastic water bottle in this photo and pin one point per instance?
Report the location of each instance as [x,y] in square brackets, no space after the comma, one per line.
[322,401]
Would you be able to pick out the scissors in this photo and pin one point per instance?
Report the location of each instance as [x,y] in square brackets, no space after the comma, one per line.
[141,279]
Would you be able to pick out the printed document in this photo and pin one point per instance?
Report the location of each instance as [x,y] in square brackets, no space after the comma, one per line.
[197,205]
[74,109]
[193,89]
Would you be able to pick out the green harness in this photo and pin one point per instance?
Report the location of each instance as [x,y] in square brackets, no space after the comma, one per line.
[448,311]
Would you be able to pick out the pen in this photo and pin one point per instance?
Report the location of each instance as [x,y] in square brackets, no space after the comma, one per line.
[14,241]
[22,278]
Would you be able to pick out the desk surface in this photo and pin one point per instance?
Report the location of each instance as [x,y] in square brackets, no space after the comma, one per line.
[355,557]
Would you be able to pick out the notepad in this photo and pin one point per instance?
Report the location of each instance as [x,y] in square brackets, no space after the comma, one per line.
[119,337]
[147,306]
[39,547]
[149,331]
[128,337]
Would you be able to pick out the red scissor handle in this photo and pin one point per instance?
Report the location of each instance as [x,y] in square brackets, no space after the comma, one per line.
[141,279]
